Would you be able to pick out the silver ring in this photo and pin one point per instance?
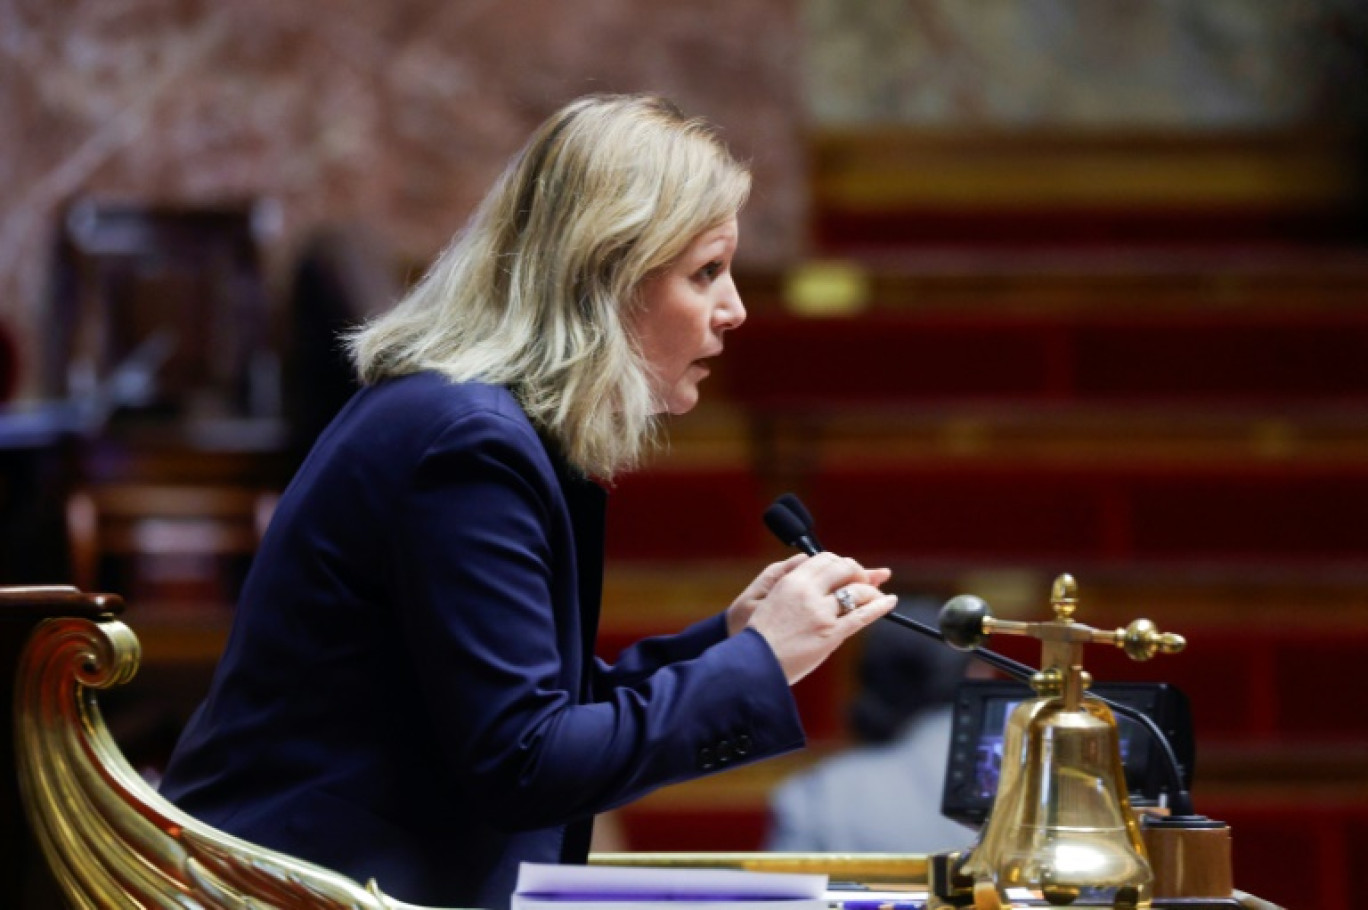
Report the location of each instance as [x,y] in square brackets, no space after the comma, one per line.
[845,601]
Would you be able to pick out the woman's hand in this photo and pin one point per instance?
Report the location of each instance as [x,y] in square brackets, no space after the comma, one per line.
[741,609]
[794,605]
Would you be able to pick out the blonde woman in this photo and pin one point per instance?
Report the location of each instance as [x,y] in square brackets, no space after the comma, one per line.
[409,693]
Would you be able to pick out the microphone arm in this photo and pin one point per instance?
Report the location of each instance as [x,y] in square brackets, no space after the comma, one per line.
[1012,668]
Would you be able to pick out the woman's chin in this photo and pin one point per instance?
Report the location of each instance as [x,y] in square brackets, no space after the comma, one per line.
[681,400]
[683,403]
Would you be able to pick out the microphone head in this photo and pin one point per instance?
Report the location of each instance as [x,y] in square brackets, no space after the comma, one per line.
[783,524]
[795,505]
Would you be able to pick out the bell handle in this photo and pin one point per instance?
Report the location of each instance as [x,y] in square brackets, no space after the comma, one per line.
[1142,639]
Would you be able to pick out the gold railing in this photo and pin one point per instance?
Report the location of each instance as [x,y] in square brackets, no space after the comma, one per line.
[109,837]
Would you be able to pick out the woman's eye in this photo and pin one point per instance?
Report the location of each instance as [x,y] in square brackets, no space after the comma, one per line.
[710,271]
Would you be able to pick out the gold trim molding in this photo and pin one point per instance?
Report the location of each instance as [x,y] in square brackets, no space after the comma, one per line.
[906,869]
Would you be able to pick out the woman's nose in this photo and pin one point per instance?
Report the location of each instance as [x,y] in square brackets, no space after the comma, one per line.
[731,312]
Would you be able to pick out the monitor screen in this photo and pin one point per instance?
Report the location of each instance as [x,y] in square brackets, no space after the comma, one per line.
[976,747]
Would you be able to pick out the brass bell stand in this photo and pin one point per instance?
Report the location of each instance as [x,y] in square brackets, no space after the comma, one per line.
[1062,827]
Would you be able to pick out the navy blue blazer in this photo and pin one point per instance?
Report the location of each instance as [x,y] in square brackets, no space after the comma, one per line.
[409,692]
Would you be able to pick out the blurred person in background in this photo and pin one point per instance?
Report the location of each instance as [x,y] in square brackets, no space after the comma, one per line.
[884,795]
[344,275]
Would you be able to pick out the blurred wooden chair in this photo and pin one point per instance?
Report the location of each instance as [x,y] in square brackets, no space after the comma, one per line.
[166,543]
[163,310]
[161,334]
[180,553]
[343,275]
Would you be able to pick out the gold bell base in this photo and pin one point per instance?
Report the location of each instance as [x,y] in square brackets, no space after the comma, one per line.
[947,889]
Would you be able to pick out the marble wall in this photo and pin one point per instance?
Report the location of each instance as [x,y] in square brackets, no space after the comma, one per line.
[397,114]
[1081,64]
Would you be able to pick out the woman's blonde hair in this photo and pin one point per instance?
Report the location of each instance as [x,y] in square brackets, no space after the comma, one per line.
[534,292]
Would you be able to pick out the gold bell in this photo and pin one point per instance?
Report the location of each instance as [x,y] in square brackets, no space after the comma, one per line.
[1062,825]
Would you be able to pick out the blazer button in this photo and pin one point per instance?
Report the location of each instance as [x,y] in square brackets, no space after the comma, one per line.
[725,752]
[706,759]
[743,744]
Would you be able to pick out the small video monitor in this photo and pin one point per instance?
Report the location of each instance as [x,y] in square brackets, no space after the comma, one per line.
[980,719]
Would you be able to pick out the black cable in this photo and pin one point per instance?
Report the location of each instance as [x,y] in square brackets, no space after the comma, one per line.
[1180,800]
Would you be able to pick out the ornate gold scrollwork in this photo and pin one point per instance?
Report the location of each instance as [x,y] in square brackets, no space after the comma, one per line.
[110,838]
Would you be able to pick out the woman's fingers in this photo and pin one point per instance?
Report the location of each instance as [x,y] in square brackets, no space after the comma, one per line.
[878,576]
[831,571]
[854,596]
[777,570]
[816,606]
[741,609]
[875,608]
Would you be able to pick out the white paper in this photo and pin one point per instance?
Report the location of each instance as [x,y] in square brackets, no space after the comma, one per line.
[541,884]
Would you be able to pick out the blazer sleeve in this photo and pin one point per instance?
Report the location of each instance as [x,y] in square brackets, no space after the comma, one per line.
[643,658]
[478,601]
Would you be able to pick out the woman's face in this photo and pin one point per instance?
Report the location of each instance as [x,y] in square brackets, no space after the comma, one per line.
[685,309]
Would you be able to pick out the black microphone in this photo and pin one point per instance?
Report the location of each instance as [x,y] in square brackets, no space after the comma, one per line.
[790,528]
[795,505]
